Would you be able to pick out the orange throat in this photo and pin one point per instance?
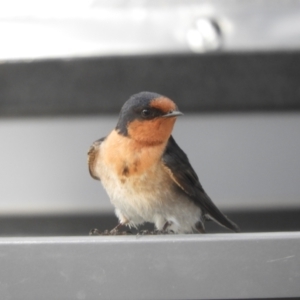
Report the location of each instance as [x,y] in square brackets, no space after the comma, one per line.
[151,132]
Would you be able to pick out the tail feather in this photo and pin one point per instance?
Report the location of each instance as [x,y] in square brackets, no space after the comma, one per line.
[227,223]
[212,212]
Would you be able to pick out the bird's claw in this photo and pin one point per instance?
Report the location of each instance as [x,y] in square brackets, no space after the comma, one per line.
[117,232]
[96,231]
[144,232]
[160,232]
[155,232]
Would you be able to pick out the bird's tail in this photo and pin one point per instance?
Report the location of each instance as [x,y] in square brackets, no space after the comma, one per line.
[212,212]
[226,222]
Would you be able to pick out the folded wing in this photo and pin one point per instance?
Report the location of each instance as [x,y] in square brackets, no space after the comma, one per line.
[179,168]
[92,155]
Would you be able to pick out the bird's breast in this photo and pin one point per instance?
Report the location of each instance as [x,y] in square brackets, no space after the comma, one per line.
[127,157]
[133,176]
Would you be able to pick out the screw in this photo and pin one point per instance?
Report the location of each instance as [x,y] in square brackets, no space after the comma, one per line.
[204,36]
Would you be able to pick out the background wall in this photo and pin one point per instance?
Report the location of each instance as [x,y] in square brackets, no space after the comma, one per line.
[233,68]
[244,161]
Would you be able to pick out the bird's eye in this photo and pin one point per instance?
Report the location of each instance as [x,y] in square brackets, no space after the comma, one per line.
[146,112]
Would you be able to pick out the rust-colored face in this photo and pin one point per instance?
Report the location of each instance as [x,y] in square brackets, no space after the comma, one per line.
[156,130]
[147,118]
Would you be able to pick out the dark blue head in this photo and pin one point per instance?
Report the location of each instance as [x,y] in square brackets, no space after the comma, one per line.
[145,106]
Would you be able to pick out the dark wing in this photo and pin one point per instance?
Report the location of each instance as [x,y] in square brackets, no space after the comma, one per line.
[92,154]
[178,166]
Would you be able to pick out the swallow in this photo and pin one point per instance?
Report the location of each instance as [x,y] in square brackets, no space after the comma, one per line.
[146,175]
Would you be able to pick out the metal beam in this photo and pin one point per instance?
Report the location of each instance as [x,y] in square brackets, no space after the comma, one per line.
[220,266]
[198,83]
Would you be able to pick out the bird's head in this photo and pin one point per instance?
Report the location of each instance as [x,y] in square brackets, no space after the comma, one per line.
[148,118]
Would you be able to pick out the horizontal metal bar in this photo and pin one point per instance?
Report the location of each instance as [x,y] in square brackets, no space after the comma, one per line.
[220,266]
[223,82]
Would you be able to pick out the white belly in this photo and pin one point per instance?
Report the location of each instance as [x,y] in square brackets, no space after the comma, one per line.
[137,199]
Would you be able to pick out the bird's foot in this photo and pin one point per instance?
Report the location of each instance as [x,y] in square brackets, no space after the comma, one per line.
[96,231]
[145,232]
[117,232]
[155,232]
[160,232]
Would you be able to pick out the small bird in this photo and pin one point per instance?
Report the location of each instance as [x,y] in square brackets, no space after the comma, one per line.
[146,174]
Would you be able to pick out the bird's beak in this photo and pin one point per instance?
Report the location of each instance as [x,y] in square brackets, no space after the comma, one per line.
[174,113]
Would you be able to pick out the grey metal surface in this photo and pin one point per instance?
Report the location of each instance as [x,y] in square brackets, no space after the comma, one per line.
[221,266]
[83,28]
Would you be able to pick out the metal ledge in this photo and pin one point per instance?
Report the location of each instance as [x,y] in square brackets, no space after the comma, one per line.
[219,266]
